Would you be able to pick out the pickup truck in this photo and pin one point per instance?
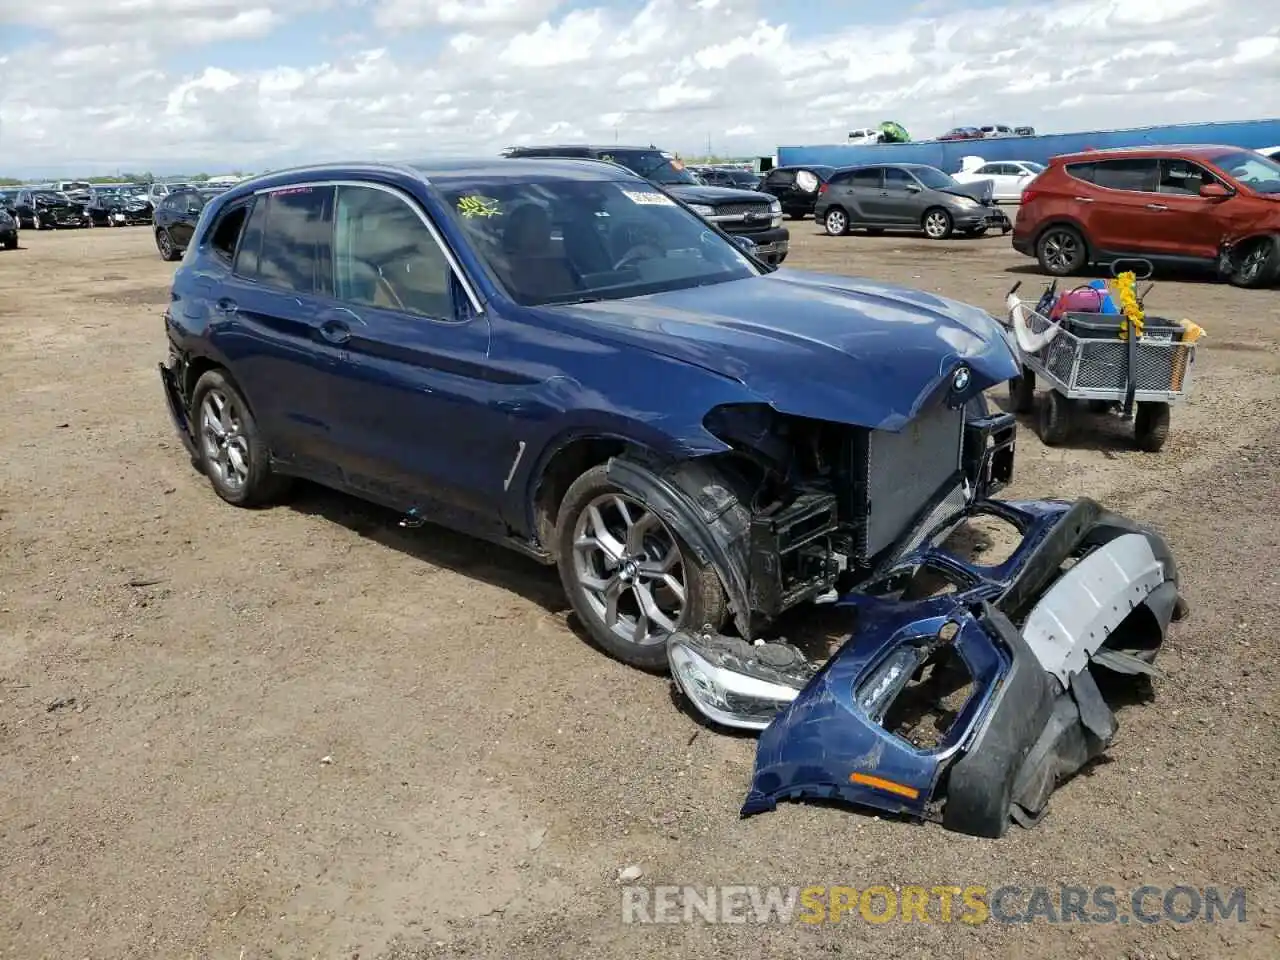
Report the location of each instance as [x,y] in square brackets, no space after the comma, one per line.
[746,213]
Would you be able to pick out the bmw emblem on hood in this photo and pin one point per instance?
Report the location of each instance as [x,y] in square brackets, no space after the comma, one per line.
[960,380]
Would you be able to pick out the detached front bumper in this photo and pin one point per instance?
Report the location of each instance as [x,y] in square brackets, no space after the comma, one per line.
[1013,649]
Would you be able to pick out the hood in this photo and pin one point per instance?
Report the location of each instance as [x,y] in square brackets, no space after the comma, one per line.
[980,190]
[692,193]
[56,202]
[829,348]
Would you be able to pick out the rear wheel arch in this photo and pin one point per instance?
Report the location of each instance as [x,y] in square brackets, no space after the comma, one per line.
[197,366]
[1070,222]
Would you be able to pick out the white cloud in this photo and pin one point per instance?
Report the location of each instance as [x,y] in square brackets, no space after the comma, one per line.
[399,14]
[110,83]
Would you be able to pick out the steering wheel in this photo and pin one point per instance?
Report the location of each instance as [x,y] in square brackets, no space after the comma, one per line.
[637,252]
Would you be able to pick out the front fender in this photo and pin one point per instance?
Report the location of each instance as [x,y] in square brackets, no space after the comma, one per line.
[705,514]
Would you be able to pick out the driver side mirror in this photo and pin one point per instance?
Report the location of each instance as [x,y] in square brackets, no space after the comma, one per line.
[913,188]
[745,244]
[1215,191]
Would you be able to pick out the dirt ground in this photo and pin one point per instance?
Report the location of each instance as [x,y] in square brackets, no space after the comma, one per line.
[306,732]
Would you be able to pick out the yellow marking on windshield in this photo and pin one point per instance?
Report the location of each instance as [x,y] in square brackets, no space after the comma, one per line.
[477,206]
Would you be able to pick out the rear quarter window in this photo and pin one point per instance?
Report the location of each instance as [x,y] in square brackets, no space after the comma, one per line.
[1080,171]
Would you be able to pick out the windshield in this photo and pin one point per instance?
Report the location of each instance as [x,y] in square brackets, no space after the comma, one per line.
[656,165]
[8,196]
[1251,169]
[934,178]
[571,241]
[48,195]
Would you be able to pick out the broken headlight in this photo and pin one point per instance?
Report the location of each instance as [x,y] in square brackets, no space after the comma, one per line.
[734,683]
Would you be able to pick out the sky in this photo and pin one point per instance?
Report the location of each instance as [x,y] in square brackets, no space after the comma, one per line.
[96,86]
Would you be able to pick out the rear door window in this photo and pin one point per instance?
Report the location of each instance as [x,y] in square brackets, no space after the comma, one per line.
[868,179]
[1136,175]
[296,245]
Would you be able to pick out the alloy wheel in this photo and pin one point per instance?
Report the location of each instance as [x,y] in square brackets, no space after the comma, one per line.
[836,222]
[1253,263]
[165,244]
[630,568]
[1061,251]
[226,449]
[936,225]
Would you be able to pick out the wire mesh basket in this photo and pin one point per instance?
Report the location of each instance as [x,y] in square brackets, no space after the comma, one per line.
[1093,365]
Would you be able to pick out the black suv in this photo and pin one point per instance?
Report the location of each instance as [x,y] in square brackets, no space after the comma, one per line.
[739,213]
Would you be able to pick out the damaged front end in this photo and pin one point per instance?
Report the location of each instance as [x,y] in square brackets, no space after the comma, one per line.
[1018,653]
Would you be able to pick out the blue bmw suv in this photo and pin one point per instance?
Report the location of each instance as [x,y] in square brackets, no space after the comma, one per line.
[558,356]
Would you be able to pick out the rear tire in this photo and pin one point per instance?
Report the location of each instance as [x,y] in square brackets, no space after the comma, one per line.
[233,453]
[588,573]
[1055,421]
[835,222]
[1061,251]
[1151,426]
[164,243]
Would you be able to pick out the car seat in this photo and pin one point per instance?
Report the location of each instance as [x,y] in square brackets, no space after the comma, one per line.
[535,269]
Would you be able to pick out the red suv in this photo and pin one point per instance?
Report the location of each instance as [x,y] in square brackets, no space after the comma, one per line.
[1208,206]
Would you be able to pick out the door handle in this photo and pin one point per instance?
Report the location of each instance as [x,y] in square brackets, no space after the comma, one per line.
[335,331]
[1156,206]
[225,306]
[1084,199]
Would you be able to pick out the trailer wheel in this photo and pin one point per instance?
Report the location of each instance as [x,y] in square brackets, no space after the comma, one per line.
[1055,421]
[1151,426]
[1022,391]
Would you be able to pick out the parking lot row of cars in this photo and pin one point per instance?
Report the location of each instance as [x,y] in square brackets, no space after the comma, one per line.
[1213,207]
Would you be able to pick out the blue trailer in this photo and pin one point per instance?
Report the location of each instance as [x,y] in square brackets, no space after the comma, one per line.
[947,154]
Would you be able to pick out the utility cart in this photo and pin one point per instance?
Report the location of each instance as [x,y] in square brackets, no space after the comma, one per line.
[1097,352]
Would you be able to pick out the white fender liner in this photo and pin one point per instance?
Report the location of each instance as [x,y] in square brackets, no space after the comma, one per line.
[1087,603]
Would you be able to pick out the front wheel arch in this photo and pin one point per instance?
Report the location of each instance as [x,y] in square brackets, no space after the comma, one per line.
[654,498]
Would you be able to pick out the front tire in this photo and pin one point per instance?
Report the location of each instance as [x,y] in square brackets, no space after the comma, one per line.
[631,580]
[1259,266]
[232,451]
[937,224]
[1022,391]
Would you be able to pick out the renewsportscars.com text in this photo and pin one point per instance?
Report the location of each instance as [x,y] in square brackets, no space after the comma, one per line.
[972,904]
